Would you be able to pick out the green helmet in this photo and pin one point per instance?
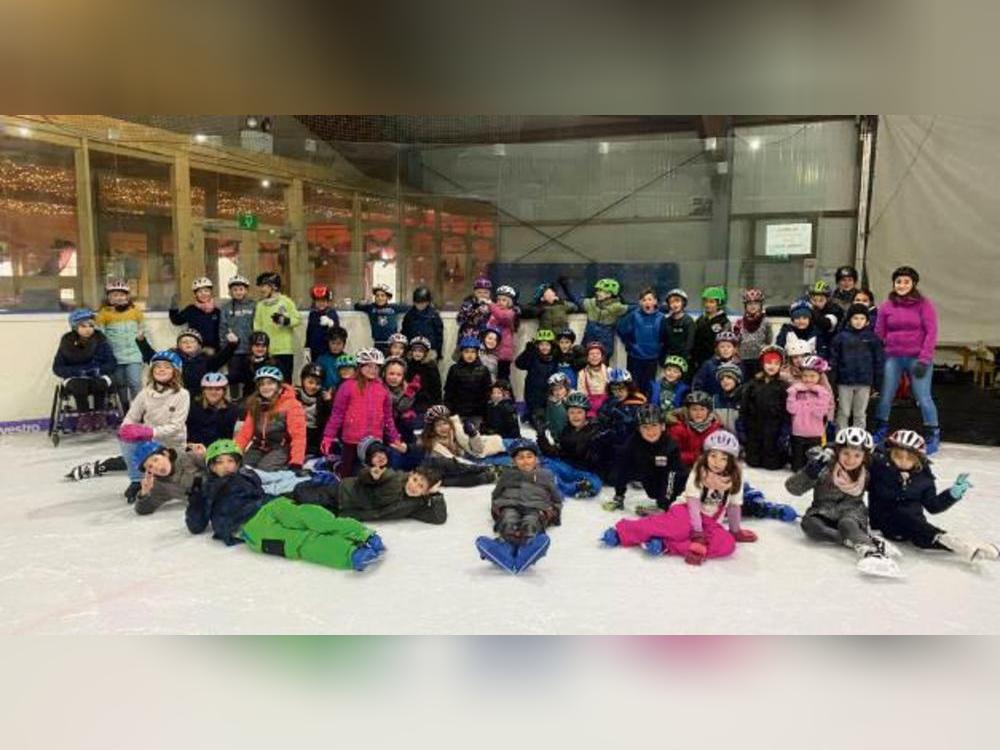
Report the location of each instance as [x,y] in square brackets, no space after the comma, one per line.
[611,286]
[223,448]
[576,400]
[345,360]
[544,334]
[820,288]
[676,361]
[718,293]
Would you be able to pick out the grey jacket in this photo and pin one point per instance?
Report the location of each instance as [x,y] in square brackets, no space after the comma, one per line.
[535,491]
[829,501]
[188,470]
[238,318]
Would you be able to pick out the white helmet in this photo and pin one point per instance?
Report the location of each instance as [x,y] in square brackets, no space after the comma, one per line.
[506,291]
[436,412]
[855,437]
[398,338]
[117,285]
[382,288]
[237,279]
[201,282]
[796,347]
[724,441]
[370,357]
[909,440]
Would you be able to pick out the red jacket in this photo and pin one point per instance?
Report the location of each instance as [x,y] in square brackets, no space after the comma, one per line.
[288,416]
[689,440]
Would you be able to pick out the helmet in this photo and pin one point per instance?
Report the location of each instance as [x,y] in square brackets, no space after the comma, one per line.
[370,357]
[858,309]
[611,286]
[320,291]
[491,329]
[771,350]
[214,380]
[619,375]
[798,347]
[384,288]
[729,369]
[312,370]
[482,282]
[521,444]
[468,342]
[117,285]
[648,414]
[223,447]
[698,398]
[847,272]
[169,356]
[260,338]
[421,294]
[507,291]
[815,362]
[189,333]
[79,316]
[677,292]
[906,271]
[420,341]
[436,412]
[677,361]
[595,345]
[753,295]
[718,293]
[146,449]
[395,361]
[820,288]
[503,385]
[268,371]
[202,282]
[368,447]
[544,334]
[574,400]
[345,360]
[239,280]
[855,437]
[398,338]
[731,336]
[541,289]
[908,440]
[566,333]
[800,309]
[724,441]
[271,279]
[558,378]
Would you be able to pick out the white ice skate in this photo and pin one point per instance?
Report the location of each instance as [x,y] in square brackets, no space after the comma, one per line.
[83,471]
[887,548]
[873,562]
[969,550]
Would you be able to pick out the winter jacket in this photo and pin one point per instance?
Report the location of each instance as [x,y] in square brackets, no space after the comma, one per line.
[788,333]
[501,419]
[593,383]
[856,357]
[705,331]
[472,316]
[426,323]
[504,320]
[554,316]
[237,317]
[619,417]
[187,472]
[467,389]
[680,337]
[889,495]
[640,460]
[534,490]
[578,447]
[602,320]
[644,334]
[165,411]
[536,381]
[77,357]
[829,502]
[226,503]
[316,409]
[811,407]
[555,416]
[754,335]
[364,498]
[197,366]
[205,323]
[316,331]
[282,336]
[908,327]
[359,414]
[205,425]
[571,362]
[765,419]
[330,377]
[727,408]
[430,384]
[383,319]
[688,439]
[705,379]
[122,329]
[668,396]
[283,426]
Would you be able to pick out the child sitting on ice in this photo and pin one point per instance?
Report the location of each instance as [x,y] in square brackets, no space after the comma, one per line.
[454,452]
[501,413]
[212,416]
[229,496]
[572,454]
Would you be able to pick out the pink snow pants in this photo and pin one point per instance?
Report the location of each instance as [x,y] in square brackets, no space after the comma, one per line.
[674,527]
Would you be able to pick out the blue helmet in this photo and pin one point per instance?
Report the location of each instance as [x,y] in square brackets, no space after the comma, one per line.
[169,356]
[522,444]
[79,316]
[800,309]
[469,342]
[619,375]
[269,371]
[146,449]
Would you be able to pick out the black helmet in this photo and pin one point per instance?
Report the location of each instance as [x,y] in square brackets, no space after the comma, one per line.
[906,271]
[648,414]
[270,278]
[421,294]
[847,272]
[698,398]
[260,338]
[312,370]
[566,333]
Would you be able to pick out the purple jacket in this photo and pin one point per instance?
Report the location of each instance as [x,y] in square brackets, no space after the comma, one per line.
[908,327]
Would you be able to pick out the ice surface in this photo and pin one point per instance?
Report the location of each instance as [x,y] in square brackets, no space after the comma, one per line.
[76,559]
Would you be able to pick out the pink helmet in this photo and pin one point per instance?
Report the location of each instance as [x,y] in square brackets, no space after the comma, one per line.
[815,362]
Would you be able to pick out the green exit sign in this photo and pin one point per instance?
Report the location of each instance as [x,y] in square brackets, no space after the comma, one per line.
[247,220]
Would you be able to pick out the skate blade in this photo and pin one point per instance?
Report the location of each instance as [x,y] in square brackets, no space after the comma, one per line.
[487,555]
[880,569]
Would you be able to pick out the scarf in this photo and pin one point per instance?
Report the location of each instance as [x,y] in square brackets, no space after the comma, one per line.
[206,307]
[716,482]
[752,322]
[701,426]
[843,482]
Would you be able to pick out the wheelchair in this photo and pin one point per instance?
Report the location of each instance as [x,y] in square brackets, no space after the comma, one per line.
[64,417]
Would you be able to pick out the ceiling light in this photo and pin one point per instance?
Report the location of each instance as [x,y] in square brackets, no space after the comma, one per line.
[265,183]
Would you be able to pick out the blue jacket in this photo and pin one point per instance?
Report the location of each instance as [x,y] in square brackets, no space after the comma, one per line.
[316,333]
[536,380]
[644,334]
[81,358]
[426,323]
[857,357]
[227,503]
[205,323]
[330,377]
[383,319]
[889,497]
[705,380]
[677,399]
[619,417]
[205,426]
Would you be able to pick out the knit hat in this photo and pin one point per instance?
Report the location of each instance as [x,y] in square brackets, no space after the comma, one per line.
[858,309]
[729,369]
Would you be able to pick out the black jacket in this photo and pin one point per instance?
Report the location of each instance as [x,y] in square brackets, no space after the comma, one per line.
[764,417]
[366,499]
[656,463]
[705,331]
[501,419]
[205,323]
[195,367]
[206,425]
[225,502]
[430,384]
[857,357]
[536,381]
[468,389]
[575,446]
[889,496]
[78,357]
[426,323]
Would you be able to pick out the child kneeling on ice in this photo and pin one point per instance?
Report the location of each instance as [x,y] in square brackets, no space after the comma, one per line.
[526,501]
[902,488]
[838,477]
[691,529]
[648,456]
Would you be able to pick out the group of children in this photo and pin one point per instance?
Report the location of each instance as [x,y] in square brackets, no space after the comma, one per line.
[294,470]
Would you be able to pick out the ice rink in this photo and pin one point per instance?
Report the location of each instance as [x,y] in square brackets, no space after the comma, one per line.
[76,559]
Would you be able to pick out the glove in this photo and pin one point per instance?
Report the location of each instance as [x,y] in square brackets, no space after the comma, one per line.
[106,379]
[745,535]
[469,428]
[920,369]
[818,458]
[232,338]
[279,319]
[326,322]
[960,487]
[135,433]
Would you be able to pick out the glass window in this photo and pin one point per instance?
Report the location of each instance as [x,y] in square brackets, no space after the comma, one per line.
[133,225]
[273,256]
[38,227]
[217,195]
[222,260]
[329,216]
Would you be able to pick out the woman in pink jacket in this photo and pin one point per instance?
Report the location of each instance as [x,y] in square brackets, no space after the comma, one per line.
[810,405]
[907,325]
[504,317]
[362,408]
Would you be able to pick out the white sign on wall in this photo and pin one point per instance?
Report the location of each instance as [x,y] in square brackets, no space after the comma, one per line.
[788,239]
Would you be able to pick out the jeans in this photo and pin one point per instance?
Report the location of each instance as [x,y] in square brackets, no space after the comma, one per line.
[894,369]
[128,380]
[128,453]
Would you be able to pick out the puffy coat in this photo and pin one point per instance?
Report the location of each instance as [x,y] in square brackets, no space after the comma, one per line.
[426,323]
[536,381]
[165,411]
[765,417]
[122,327]
[504,320]
[467,389]
[205,323]
[579,447]
[284,425]
[705,379]
[908,327]
[641,460]
[644,334]
[668,396]
[316,331]
[829,502]
[197,366]
[689,441]
[857,357]
[364,498]
[534,490]
[680,337]
[811,407]
[619,417]
[206,424]
[226,503]
[889,495]
[77,357]
[282,336]
[705,331]
[358,414]
[553,316]
[501,419]
[237,317]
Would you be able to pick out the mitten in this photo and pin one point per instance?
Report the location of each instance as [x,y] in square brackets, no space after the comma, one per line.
[960,487]
[326,322]
[135,433]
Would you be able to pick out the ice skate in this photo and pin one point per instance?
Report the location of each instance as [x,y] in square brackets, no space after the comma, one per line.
[498,552]
[531,552]
[132,492]
[84,471]
[618,503]
[872,562]
[375,543]
[968,550]
[654,546]
[886,547]
[364,557]
[610,538]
